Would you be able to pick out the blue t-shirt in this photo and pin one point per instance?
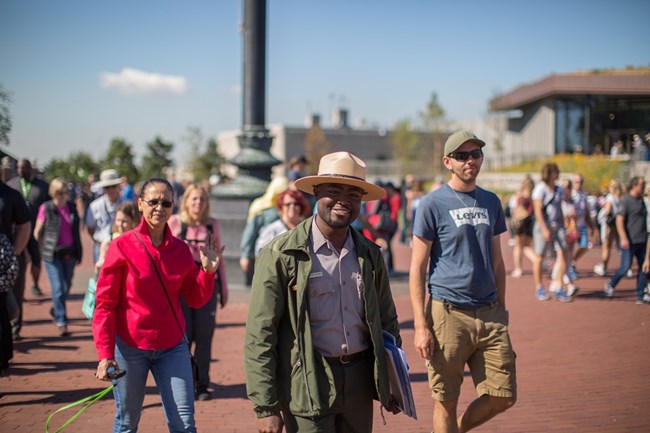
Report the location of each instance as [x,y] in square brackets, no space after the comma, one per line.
[461,227]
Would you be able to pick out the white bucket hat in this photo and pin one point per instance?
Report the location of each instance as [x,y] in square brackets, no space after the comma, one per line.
[108,177]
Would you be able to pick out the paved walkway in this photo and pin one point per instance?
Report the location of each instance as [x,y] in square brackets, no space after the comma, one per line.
[581,366]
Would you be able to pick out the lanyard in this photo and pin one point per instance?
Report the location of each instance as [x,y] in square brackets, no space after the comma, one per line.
[26,187]
[90,400]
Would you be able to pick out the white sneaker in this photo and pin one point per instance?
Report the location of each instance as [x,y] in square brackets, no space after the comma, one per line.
[516,273]
[554,289]
[599,270]
[609,290]
[629,274]
[571,290]
[646,298]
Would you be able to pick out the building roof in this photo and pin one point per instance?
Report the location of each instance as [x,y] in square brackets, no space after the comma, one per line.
[619,82]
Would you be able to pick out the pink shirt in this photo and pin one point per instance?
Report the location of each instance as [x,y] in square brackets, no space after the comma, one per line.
[65,230]
[195,237]
[130,301]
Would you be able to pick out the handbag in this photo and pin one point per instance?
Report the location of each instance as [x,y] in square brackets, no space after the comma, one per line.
[195,366]
[88,305]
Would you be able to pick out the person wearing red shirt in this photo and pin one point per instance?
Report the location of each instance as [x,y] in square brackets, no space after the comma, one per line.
[136,326]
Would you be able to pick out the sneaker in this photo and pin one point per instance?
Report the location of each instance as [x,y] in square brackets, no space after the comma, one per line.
[629,274]
[202,393]
[646,298]
[36,291]
[639,302]
[599,270]
[63,330]
[516,273]
[571,290]
[562,296]
[609,290]
[542,294]
[572,273]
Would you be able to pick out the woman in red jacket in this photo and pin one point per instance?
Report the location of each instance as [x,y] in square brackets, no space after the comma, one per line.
[138,324]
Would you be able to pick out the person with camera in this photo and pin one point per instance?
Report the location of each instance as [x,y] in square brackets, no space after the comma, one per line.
[138,324]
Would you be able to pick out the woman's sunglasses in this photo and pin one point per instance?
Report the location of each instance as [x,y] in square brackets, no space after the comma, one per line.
[155,202]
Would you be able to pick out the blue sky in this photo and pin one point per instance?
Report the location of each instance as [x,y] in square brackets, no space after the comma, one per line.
[83,72]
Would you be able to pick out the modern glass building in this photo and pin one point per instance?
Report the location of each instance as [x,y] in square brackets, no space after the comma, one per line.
[584,112]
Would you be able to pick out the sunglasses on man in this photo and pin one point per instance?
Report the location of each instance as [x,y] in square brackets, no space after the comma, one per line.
[460,155]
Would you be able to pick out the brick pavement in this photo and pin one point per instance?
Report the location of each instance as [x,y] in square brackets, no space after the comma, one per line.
[580,365]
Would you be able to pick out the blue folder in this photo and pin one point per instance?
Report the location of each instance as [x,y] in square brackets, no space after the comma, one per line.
[398,372]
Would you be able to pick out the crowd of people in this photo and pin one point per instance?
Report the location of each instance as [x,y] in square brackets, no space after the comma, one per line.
[555,222]
[318,252]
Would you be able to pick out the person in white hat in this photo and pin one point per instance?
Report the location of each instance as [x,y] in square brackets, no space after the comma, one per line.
[456,236]
[101,212]
[314,354]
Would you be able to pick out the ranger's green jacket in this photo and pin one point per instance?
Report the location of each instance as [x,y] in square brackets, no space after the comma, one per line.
[283,371]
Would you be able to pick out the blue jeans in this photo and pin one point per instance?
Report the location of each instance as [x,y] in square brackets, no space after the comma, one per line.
[59,272]
[638,251]
[172,371]
[96,249]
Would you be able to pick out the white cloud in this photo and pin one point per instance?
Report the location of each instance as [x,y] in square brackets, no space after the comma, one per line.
[131,81]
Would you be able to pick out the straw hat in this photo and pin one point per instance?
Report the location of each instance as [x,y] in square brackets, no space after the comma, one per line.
[342,168]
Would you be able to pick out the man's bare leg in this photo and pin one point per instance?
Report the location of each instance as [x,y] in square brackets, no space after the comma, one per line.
[481,410]
[444,416]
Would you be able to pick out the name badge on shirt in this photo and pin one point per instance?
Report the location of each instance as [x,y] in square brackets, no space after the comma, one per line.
[315,275]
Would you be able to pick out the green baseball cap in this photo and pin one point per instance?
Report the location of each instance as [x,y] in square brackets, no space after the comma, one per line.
[457,139]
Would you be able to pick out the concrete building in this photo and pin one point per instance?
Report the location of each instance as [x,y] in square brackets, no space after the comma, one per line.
[313,141]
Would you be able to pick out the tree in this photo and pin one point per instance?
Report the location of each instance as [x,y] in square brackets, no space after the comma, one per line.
[156,158]
[405,143]
[75,169]
[119,156]
[5,116]
[202,165]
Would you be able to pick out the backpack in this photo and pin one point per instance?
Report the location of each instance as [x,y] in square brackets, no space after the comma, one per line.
[8,264]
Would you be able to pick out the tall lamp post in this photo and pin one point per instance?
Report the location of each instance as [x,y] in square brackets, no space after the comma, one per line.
[254,161]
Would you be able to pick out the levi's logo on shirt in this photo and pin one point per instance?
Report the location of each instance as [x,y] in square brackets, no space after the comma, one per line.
[468,215]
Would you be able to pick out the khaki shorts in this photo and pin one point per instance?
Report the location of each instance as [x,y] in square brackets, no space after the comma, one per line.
[477,337]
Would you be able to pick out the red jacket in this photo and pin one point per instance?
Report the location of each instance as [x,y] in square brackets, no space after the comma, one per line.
[131,303]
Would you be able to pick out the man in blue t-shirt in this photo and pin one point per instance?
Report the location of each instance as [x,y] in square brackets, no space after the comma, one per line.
[456,235]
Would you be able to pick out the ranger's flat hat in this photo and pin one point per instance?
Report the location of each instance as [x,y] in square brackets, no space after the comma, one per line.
[342,168]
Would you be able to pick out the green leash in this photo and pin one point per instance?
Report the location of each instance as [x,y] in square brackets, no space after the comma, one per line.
[89,402]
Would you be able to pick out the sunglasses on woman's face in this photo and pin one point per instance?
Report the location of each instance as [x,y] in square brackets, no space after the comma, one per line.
[464,156]
[155,202]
